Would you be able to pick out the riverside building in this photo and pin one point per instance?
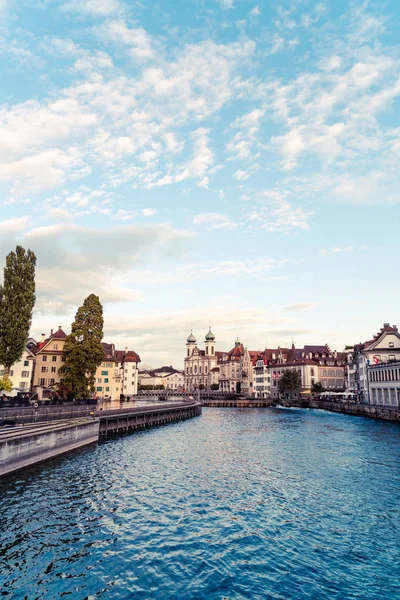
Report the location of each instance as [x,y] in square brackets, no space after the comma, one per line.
[384,348]
[384,384]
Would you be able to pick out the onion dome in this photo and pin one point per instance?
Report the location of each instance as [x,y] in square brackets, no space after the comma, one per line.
[210,337]
[238,342]
[191,339]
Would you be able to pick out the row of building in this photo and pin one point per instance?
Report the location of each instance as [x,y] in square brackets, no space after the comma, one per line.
[369,371]
[38,369]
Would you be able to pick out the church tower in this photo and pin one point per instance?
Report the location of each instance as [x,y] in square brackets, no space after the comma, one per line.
[190,345]
[210,343]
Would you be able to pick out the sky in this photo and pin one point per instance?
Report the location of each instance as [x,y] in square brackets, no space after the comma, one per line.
[197,162]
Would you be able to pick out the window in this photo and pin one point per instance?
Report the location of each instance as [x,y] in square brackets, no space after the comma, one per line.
[25,374]
[44,358]
[391,344]
[23,384]
[99,389]
[105,379]
[11,373]
[312,372]
[205,369]
[98,380]
[42,381]
[54,358]
[195,369]
[63,359]
[26,363]
[52,381]
[392,357]
[207,350]
[109,365]
[212,349]
[104,372]
[44,369]
[107,389]
[54,369]
[55,346]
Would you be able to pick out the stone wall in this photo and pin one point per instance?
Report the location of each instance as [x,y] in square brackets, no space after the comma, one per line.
[20,448]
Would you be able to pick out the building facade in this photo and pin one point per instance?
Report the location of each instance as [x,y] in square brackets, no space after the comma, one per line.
[383,348]
[49,359]
[118,375]
[384,384]
[199,364]
[167,377]
[21,373]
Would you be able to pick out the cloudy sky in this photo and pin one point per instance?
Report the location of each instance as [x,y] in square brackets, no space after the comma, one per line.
[232,162]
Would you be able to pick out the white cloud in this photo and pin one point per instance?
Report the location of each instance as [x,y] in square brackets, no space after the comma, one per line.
[214,221]
[100,8]
[300,306]
[13,225]
[136,40]
[336,250]
[149,212]
[255,11]
[226,3]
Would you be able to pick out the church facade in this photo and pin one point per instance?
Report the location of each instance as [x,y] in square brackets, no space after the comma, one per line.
[200,365]
[231,371]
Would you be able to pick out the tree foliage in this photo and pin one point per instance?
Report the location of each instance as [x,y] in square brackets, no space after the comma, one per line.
[17,299]
[5,384]
[317,388]
[214,386]
[83,351]
[289,382]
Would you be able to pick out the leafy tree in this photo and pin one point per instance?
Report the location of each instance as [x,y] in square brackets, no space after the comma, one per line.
[214,386]
[202,387]
[317,388]
[17,299]
[5,384]
[83,351]
[289,382]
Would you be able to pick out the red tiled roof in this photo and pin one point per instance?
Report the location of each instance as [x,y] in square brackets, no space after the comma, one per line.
[58,335]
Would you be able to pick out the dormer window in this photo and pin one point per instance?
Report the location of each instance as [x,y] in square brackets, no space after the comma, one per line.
[391,344]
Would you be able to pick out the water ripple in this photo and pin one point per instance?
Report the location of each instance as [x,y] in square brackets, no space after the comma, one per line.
[239,504]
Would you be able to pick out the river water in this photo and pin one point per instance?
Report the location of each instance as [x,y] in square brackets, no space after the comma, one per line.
[238,503]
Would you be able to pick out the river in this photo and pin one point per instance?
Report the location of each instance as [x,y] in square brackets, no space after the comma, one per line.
[236,504]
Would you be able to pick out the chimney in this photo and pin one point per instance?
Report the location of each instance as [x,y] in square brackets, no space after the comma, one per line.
[42,337]
[51,332]
[59,328]
[126,349]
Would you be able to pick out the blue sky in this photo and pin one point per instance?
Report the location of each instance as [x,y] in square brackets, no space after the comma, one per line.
[232,162]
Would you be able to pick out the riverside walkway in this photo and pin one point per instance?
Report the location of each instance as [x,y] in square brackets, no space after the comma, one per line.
[36,435]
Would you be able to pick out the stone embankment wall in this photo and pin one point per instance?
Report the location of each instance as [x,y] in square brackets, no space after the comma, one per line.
[349,408]
[27,444]
[24,446]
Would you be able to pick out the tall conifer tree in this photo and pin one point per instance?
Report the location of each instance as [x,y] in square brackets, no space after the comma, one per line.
[83,351]
[17,299]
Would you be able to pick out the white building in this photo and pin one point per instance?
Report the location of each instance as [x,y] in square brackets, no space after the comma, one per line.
[384,384]
[199,364]
[21,373]
[168,377]
[383,348]
[129,361]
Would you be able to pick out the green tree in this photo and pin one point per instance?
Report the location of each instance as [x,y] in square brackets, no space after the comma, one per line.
[214,386]
[17,299]
[83,351]
[5,384]
[317,388]
[289,382]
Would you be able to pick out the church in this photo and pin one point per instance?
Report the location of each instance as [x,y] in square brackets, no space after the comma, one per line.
[205,369]
[201,366]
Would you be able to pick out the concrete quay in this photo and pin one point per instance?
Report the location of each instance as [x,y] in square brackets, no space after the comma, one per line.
[27,444]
